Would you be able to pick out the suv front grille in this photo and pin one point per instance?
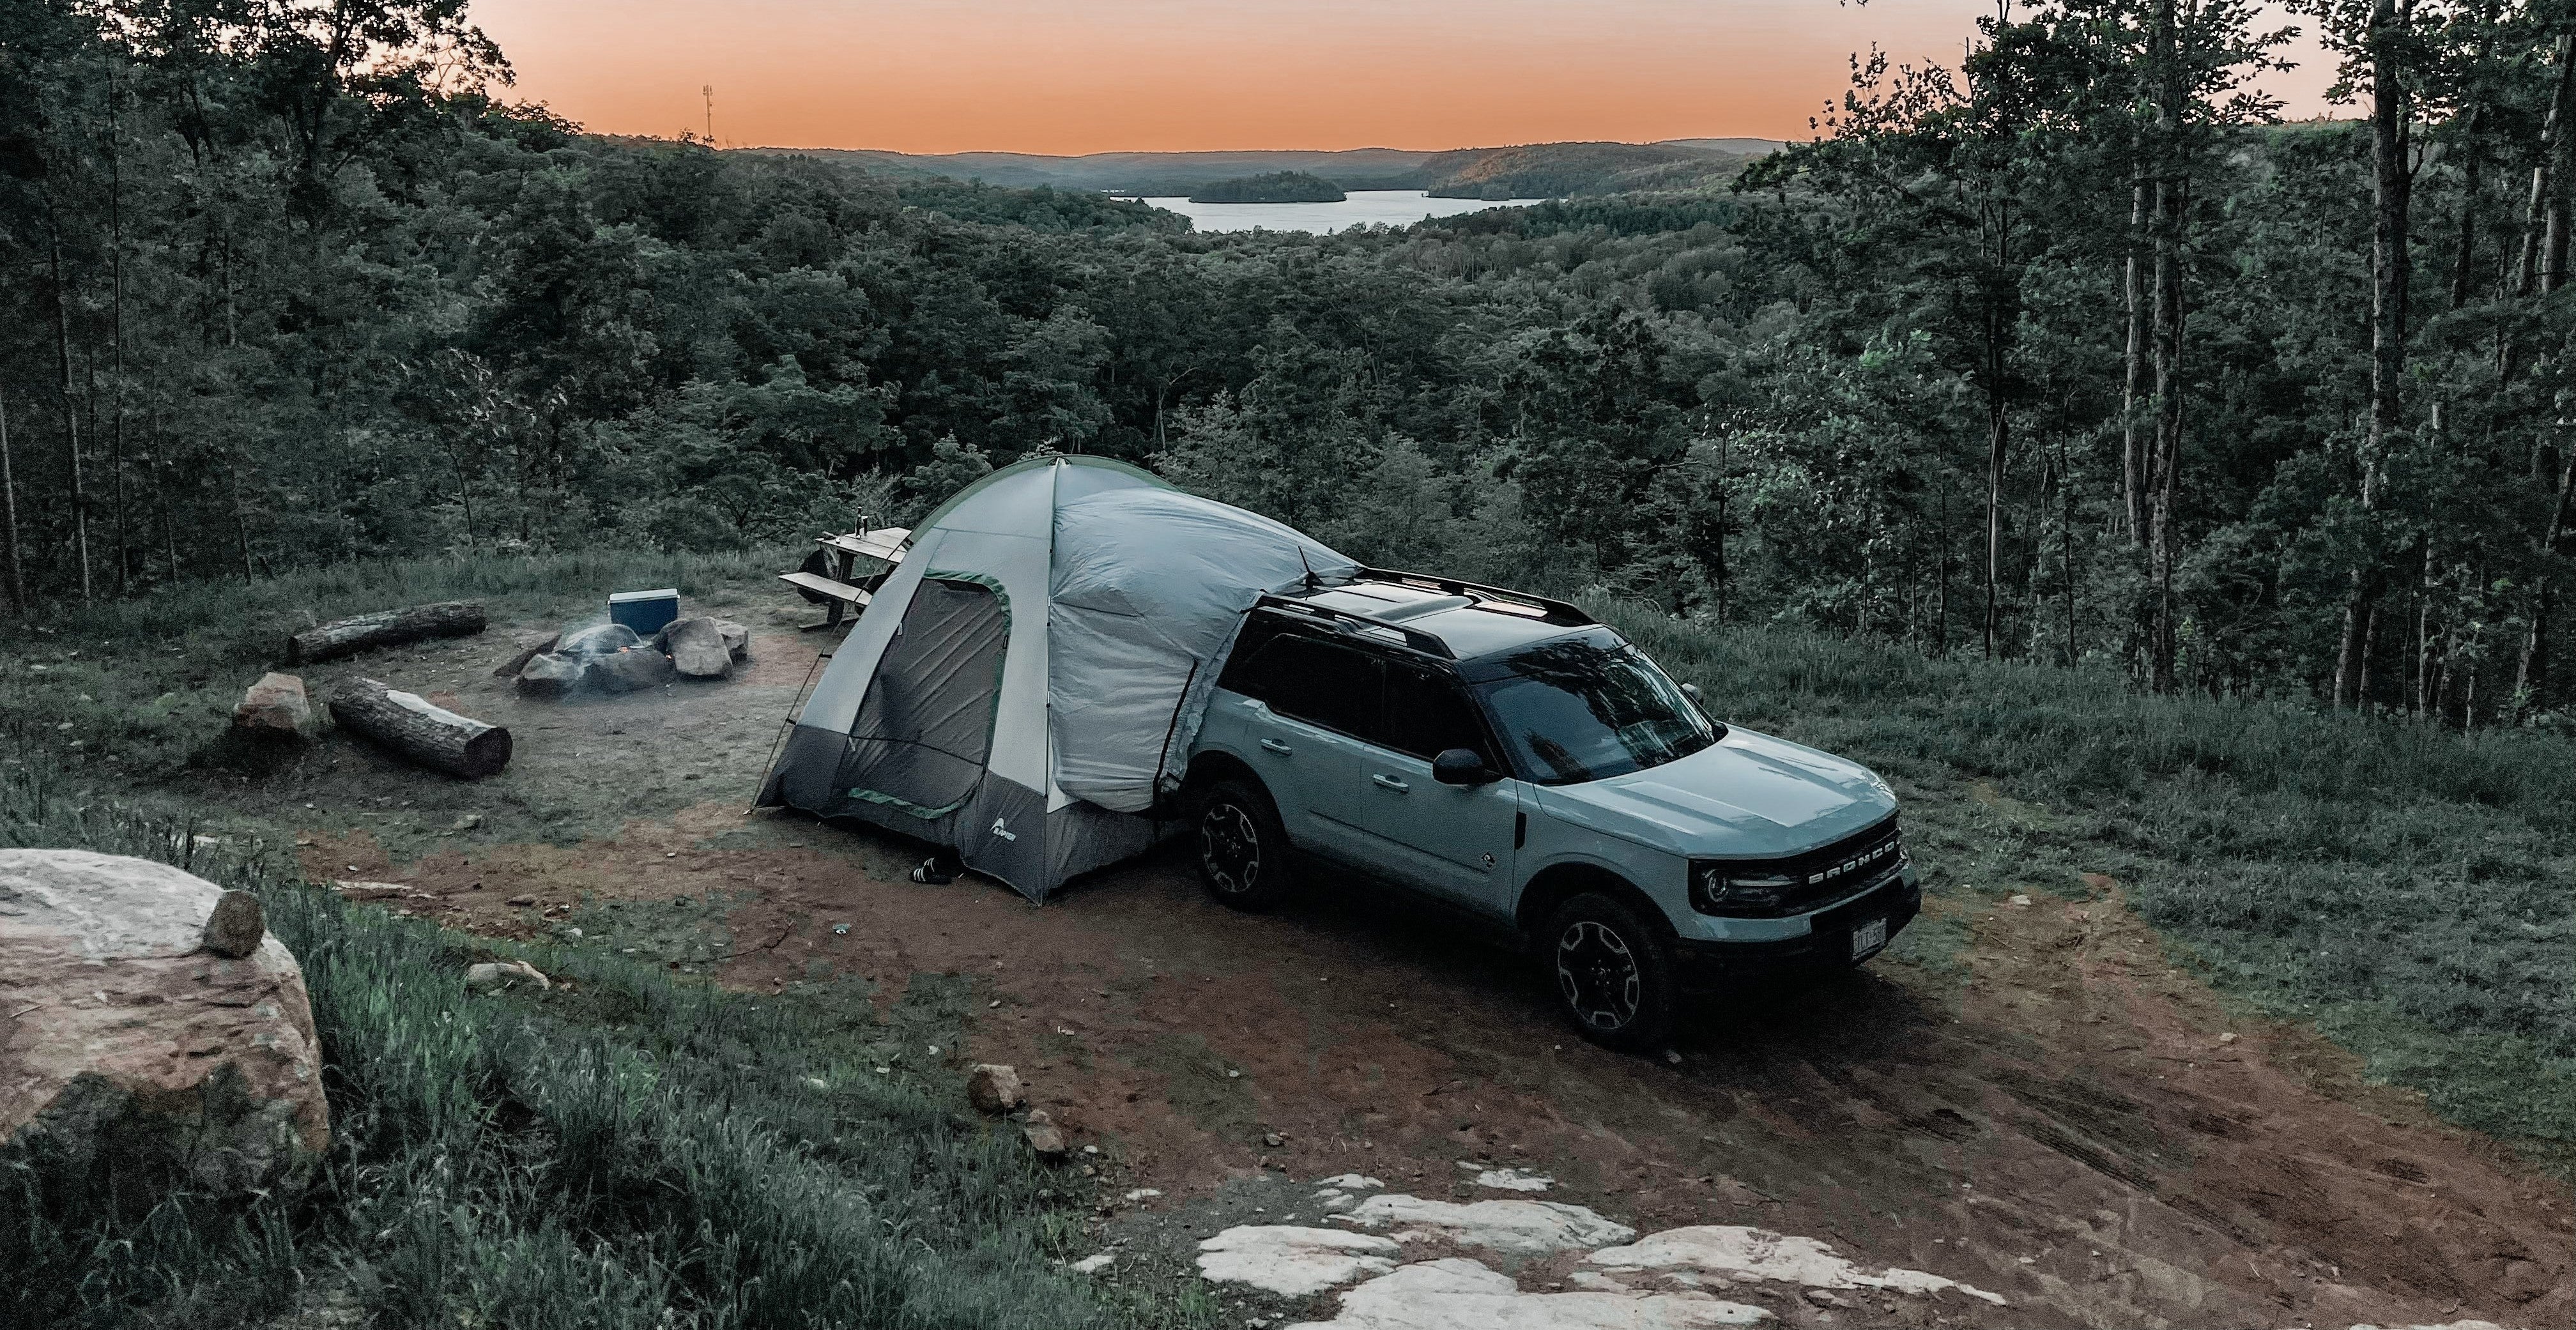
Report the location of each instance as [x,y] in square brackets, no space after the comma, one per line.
[1822,875]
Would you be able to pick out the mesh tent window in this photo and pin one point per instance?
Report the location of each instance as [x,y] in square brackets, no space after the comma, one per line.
[925,728]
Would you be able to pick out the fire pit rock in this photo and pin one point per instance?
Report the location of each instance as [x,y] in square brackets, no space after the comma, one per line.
[697,648]
[631,670]
[550,675]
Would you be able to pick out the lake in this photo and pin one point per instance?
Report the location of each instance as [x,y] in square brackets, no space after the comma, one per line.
[1364,207]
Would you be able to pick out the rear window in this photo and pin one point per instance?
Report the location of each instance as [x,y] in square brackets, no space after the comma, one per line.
[1321,683]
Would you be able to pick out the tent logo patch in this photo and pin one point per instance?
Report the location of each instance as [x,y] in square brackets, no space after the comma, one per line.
[1002,829]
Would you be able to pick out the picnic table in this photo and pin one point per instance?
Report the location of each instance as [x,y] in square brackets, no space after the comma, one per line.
[831,576]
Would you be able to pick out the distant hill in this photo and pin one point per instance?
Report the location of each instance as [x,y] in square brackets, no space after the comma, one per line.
[1276,187]
[1561,170]
[1538,170]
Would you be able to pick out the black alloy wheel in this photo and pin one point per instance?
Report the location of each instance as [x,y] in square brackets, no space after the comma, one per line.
[1243,852]
[1613,973]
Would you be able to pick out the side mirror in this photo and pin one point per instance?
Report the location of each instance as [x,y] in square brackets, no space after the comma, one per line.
[1691,691]
[1461,766]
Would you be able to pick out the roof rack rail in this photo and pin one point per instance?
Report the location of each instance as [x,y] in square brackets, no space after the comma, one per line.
[1414,638]
[1556,611]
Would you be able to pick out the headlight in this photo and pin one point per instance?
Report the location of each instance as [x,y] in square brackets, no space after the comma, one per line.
[1737,889]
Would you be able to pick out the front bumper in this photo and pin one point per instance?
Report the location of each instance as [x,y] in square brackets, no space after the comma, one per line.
[1825,944]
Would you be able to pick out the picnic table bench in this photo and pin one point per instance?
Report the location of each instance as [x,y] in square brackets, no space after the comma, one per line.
[830,577]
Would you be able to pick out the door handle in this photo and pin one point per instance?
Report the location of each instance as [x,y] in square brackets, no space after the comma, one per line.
[1389,783]
[1274,746]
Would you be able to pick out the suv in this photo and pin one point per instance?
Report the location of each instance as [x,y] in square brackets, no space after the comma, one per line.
[1512,757]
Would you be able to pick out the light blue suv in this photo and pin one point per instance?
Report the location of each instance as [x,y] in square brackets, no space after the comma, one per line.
[1509,756]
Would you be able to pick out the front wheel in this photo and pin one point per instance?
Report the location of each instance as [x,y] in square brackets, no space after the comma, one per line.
[1243,851]
[1614,974]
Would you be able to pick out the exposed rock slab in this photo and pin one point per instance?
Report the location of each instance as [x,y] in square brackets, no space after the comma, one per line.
[549,675]
[1294,1262]
[1459,1294]
[1736,1252]
[1509,1228]
[123,1038]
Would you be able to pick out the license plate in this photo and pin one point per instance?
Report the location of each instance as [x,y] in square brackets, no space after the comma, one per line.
[1867,937]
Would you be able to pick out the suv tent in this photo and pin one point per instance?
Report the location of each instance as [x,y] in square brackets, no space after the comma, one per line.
[1026,682]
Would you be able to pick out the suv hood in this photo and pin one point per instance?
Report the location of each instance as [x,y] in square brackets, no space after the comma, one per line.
[1746,796]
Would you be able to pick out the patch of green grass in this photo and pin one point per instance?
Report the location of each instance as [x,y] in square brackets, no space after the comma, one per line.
[639,1151]
[2401,886]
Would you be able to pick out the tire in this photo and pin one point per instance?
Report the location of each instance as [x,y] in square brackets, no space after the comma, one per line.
[1242,849]
[1613,972]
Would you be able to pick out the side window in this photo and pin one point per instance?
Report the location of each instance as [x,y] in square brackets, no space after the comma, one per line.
[1427,714]
[1320,683]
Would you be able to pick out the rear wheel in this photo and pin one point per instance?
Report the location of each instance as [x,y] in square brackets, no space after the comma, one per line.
[1243,851]
[1614,974]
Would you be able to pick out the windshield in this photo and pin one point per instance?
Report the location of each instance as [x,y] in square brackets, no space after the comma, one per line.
[1579,709]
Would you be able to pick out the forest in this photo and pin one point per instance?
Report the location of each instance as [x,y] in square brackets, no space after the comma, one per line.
[2070,353]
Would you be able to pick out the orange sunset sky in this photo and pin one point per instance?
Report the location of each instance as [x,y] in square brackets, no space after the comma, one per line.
[1061,76]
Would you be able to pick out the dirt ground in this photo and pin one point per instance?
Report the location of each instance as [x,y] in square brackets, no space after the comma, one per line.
[2026,1097]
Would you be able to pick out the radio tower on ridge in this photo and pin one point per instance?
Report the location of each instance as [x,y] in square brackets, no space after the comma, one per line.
[709,92]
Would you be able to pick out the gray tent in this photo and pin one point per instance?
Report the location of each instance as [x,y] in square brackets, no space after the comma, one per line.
[1026,684]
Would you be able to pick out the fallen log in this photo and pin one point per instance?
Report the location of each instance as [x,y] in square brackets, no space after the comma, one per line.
[385,628]
[418,732]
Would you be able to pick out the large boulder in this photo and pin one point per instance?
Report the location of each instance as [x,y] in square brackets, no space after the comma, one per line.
[132,1046]
[632,669]
[275,708]
[697,648]
[737,639]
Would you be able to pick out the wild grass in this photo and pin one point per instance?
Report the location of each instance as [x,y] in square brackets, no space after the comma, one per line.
[638,1151]
[2405,887]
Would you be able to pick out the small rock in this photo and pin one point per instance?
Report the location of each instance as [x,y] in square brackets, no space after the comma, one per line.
[1273,1139]
[236,926]
[737,639]
[993,1087]
[2019,899]
[520,900]
[2228,1038]
[549,675]
[1094,1264]
[273,708]
[494,976]
[1672,1057]
[466,823]
[1045,1138]
[1824,1298]
[817,1083]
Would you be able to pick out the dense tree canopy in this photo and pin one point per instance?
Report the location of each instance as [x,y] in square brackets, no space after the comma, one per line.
[2067,353]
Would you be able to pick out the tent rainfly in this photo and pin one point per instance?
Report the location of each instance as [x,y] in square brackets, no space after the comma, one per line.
[1025,686]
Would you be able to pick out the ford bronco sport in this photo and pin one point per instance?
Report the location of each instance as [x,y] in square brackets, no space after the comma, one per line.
[1507,755]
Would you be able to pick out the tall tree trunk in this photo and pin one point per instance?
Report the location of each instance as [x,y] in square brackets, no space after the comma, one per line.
[2531,672]
[2133,464]
[2166,341]
[71,413]
[2392,189]
[2553,131]
[9,510]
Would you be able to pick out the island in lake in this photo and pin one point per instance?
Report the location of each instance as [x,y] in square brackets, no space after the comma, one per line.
[1276,187]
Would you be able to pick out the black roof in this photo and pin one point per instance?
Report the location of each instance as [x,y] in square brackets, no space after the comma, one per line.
[1438,616]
